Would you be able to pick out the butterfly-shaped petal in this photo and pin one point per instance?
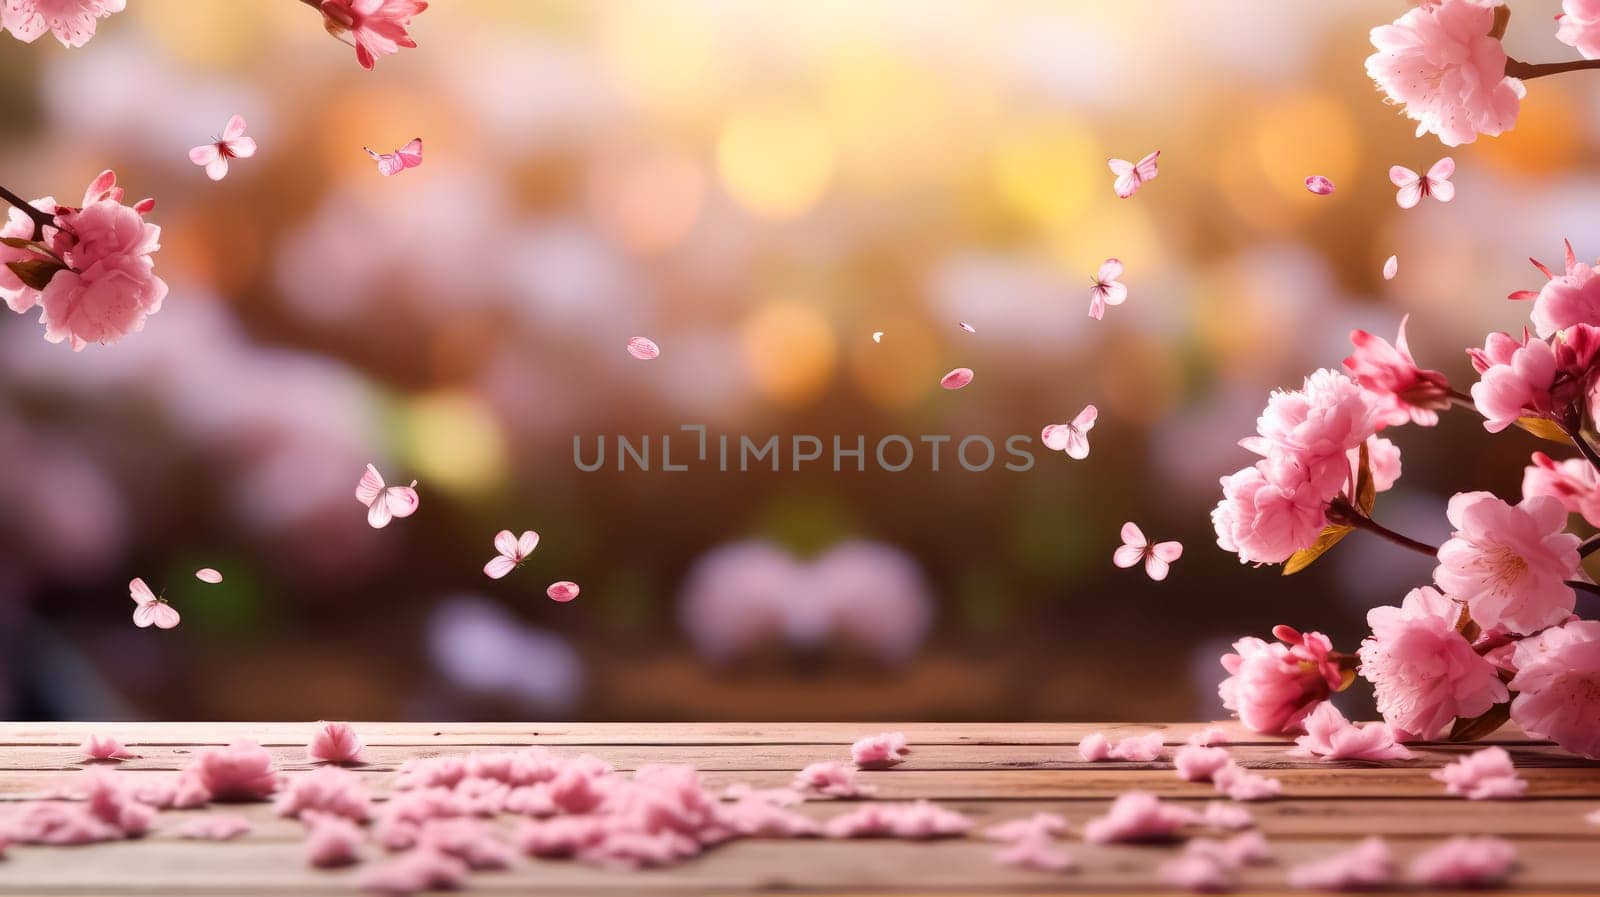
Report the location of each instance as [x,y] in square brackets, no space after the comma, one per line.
[1072,438]
[1158,561]
[385,503]
[408,156]
[151,611]
[1132,549]
[1130,176]
[1413,186]
[499,566]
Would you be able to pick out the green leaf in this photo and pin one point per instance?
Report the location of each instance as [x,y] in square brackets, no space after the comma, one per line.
[1544,428]
[1329,537]
[35,273]
[17,242]
[1482,725]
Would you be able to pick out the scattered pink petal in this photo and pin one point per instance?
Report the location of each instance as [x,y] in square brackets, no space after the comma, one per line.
[1196,872]
[831,778]
[1367,865]
[150,609]
[331,840]
[384,502]
[783,797]
[1240,850]
[1198,764]
[1239,783]
[917,821]
[967,327]
[643,348]
[215,827]
[877,336]
[241,771]
[468,840]
[757,816]
[1137,816]
[1319,185]
[413,871]
[1071,437]
[1105,289]
[880,751]
[233,144]
[956,379]
[1483,775]
[1391,267]
[334,743]
[1039,825]
[1157,556]
[390,164]
[1329,736]
[1465,862]
[1094,747]
[1035,852]
[1208,737]
[1413,186]
[105,747]
[207,574]
[327,789]
[512,550]
[1130,176]
[1221,814]
[562,591]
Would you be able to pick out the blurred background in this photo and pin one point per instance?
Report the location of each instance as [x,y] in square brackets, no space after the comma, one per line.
[758,188]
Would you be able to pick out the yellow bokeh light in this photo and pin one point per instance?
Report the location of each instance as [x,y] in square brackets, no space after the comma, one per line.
[454,442]
[901,369]
[662,53]
[1264,165]
[776,159]
[790,351]
[1042,172]
[889,118]
[219,33]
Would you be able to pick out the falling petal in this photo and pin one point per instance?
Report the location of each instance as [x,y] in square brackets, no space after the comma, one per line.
[1319,185]
[1391,267]
[956,379]
[562,591]
[877,336]
[206,574]
[643,348]
[967,327]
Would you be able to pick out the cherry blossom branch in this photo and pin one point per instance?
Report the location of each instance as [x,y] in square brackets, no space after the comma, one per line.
[1583,445]
[41,219]
[1589,546]
[1342,512]
[1515,68]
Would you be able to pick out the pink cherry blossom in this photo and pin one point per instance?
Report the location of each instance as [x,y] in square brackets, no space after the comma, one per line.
[73,22]
[1566,299]
[215,827]
[1440,62]
[376,28]
[1105,289]
[1195,763]
[831,778]
[956,379]
[1306,434]
[1572,482]
[1403,391]
[104,747]
[241,771]
[1558,686]
[1239,783]
[1486,774]
[18,296]
[1095,747]
[1383,459]
[512,551]
[1138,816]
[1369,864]
[331,840]
[1157,556]
[1330,736]
[233,144]
[1515,379]
[1265,523]
[1271,687]
[1465,862]
[109,286]
[334,743]
[1071,437]
[1424,672]
[1509,563]
[879,751]
[1578,26]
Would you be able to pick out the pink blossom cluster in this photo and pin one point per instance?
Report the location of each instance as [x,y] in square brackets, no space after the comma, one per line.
[1305,438]
[1330,736]
[1424,672]
[1442,64]
[98,283]
[880,751]
[1095,747]
[1483,775]
[1578,26]
[1272,686]
[73,22]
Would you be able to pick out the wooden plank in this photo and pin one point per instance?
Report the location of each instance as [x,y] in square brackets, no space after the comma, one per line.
[1281,819]
[296,733]
[745,866]
[783,757]
[1099,781]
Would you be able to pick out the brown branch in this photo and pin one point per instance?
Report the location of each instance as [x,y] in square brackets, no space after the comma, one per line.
[1516,68]
[41,218]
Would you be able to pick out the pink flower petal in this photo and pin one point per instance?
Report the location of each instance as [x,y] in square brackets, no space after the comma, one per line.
[879,751]
[1487,774]
[104,747]
[643,348]
[562,591]
[877,336]
[1391,267]
[241,771]
[331,840]
[1208,737]
[207,574]
[1465,862]
[956,379]
[1040,853]
[1319,185]
[334,743]
[831,778]
[967,327]
[215,827]
[1368,865]
[1329,736]
[1195,763]
[1137,816]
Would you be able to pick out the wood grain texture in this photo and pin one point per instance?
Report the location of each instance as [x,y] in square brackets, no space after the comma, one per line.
[991,772]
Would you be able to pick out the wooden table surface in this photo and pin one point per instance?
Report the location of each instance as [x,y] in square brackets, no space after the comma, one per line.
[992,772]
